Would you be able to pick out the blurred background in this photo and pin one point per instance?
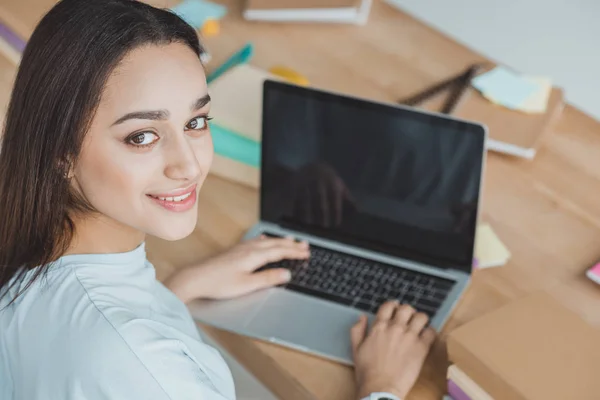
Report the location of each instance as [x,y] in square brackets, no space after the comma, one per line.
[556,38]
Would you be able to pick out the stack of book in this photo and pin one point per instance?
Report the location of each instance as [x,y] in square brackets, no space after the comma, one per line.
[542,346]
[335,11]
[461,387]
[518,110]
[11,44]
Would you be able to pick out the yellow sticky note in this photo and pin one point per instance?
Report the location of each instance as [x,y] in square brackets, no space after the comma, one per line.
[489,249]
[289,75]
[538,101]
[210,28]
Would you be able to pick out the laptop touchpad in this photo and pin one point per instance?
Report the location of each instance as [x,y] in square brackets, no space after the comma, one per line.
[306,323]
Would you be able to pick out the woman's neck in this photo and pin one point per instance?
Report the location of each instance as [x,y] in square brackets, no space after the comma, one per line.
[98,234]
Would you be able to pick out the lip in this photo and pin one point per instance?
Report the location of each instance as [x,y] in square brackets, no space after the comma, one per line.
[176,206]
[176,192]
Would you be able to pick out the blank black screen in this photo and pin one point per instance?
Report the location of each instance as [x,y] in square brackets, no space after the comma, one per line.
[377,176]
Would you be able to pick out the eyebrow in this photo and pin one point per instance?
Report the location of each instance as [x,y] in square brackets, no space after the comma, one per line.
[161,115]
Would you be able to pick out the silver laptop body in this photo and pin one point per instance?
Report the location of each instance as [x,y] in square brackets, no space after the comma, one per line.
[316,324]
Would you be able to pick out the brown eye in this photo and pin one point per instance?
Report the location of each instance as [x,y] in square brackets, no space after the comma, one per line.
[198,123]
[143,138]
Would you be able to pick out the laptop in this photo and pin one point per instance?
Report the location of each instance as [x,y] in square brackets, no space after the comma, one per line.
[388,198]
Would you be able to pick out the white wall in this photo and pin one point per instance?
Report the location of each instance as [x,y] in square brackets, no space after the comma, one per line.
[556,38]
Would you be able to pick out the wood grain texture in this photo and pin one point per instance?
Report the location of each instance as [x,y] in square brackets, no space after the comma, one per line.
[547,211]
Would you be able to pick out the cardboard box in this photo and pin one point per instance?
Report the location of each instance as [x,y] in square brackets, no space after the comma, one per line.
[534,348]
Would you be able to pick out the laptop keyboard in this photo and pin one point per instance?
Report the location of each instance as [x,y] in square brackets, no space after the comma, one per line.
[362,283]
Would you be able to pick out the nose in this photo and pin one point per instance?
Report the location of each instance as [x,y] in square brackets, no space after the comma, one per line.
[182,163]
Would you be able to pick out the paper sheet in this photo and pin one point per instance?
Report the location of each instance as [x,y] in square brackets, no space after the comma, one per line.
[538,102]
[489,249]
[506,88]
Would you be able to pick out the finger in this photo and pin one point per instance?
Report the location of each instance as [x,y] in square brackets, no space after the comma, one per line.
[418,322]
[268,278]
[428,336]
[358,332]
[386,311]
[263,256]
[279,253]
[294,250]
[287,241]
[403,314]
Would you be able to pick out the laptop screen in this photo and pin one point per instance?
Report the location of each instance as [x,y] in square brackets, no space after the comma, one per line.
[381,177]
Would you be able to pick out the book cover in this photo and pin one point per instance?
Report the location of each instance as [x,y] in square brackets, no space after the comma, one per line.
[534,348]
[509,131]
[272,5]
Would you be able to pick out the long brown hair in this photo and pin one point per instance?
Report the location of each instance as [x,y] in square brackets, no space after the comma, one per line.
[62,73]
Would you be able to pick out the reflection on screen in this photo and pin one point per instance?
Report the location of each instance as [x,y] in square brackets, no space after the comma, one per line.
[373,175]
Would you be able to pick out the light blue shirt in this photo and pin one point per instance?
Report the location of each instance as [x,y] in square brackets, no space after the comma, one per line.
[102,327]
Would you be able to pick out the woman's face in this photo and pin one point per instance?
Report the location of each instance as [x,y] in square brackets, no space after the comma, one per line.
[149,148]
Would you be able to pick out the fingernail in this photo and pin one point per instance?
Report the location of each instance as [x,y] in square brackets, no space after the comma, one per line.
[286,275]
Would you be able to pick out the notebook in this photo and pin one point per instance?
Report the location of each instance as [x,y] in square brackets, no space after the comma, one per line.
[8,72]
[22,16]
[9,52]
[534,348]
[462,387]
[339,11]
[11,43]
[236,108]
[514,132]
[511,132]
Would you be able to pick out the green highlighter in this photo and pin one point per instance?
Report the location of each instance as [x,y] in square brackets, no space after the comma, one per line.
[241,56]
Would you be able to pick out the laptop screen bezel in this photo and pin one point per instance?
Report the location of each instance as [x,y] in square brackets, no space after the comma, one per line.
[471,127]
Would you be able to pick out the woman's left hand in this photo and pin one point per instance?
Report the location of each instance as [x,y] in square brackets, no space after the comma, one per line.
[232,273]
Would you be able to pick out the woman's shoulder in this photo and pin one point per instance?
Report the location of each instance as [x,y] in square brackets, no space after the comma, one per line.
[86,329]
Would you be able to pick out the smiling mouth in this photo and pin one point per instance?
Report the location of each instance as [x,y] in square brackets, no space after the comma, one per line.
[173,199]
[179,200]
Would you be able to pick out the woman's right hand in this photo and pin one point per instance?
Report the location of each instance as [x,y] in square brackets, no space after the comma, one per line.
[389,358]
[232,273]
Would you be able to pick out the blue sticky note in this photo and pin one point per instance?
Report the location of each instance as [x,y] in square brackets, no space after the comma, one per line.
[196,12]
[505,87]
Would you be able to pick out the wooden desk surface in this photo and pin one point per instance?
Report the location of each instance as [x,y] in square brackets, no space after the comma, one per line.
[547,211]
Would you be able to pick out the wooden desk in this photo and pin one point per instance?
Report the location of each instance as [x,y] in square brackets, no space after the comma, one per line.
[547,211]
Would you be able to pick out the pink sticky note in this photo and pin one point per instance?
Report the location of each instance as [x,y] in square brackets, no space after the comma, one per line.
[594,273]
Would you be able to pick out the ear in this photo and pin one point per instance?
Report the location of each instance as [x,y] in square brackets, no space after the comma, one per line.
[66,167]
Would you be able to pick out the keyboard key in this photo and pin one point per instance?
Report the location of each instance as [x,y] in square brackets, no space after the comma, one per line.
[428,303]
[319,294]
[361,283]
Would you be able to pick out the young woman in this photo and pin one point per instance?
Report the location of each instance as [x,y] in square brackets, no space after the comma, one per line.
[106,140]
